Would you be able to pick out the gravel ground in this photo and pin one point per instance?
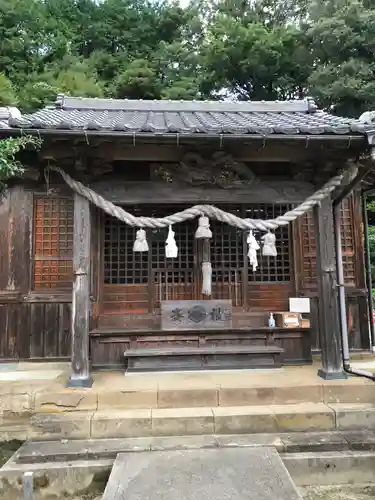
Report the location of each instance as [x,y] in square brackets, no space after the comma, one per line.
[358,492]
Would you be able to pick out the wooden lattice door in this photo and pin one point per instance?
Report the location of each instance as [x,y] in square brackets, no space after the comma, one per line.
[135,283]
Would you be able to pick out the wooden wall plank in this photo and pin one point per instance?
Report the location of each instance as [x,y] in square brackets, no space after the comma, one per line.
[64,336]
[4,241]
[51,330]
[20,223]
[37,330]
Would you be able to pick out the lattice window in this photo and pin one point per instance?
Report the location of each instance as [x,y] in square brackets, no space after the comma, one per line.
[227,244]
[308,243]
[347,241]
[121,264]
[272,269]
[53,243]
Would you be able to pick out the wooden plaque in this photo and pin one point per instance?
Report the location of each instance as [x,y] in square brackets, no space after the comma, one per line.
[196,314]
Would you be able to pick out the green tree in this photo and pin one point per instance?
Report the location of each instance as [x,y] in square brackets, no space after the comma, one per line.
[7,93]
[9,164]
[138,81]
[341,37]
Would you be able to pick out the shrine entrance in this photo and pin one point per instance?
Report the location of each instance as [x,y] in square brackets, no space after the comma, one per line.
[136,283]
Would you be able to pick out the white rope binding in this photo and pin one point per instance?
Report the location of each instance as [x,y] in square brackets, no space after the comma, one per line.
[201,210]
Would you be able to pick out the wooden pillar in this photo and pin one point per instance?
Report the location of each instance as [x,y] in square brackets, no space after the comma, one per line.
[329,327]
[80,368]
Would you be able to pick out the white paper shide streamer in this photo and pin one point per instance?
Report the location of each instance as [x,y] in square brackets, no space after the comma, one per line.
[207,278]
[252,252]
[140,244]
[171,249]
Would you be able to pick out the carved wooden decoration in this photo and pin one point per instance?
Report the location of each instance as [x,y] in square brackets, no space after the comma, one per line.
[221,170]
[196,314]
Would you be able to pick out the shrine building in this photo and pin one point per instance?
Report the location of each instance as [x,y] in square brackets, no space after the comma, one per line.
[162,235]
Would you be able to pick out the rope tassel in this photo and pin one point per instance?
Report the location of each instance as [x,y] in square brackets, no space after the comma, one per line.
[269,245]
[140,244]
[171,249]
[203,230]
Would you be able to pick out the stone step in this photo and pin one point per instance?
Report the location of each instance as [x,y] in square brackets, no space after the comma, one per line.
[69,476]
[331,467]
[39,452]
[305,417]
[191,393]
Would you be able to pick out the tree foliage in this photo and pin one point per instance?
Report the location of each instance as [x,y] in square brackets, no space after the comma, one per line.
[9,164]
[152,49]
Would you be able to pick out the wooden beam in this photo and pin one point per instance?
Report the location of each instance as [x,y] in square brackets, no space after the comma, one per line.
[275,191]
[329,328]
[113,151]
[80,368]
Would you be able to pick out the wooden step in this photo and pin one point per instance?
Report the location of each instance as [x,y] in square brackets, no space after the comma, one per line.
[207,357]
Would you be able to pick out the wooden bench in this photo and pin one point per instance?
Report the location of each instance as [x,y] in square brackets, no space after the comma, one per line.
[204,357]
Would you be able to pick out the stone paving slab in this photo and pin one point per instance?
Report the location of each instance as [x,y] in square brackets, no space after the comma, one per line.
[235,474]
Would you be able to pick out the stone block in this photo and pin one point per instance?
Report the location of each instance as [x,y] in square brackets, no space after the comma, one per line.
[250,441]
[244,420]
[314,441]
[342,393]
[66,400]
[69,425]
[354,416]
[360,440]
[121,423]
[182,421]
[127,400]
[304,417]
[298,394]
[183,442]
[246,396]
[187,398]
[15,403]
[327,468]
[56,480]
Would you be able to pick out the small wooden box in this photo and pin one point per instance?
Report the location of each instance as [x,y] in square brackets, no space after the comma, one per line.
[305,322]
[287,320]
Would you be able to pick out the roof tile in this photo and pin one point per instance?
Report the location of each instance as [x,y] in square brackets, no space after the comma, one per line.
[189,117]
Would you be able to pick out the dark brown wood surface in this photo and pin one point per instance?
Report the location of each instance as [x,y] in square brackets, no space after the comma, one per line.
[35,324]
[80,373]
[329,328]
[128,193]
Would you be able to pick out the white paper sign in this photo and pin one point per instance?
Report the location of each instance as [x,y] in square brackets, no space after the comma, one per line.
[299,305]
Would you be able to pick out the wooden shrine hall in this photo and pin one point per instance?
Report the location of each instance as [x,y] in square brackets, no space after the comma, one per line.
[159,235]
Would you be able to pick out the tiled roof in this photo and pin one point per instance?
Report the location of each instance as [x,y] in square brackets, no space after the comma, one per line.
[189,117]
[5,114]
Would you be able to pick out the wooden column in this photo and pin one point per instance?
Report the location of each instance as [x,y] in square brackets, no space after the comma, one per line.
[80,370]
[329,327]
